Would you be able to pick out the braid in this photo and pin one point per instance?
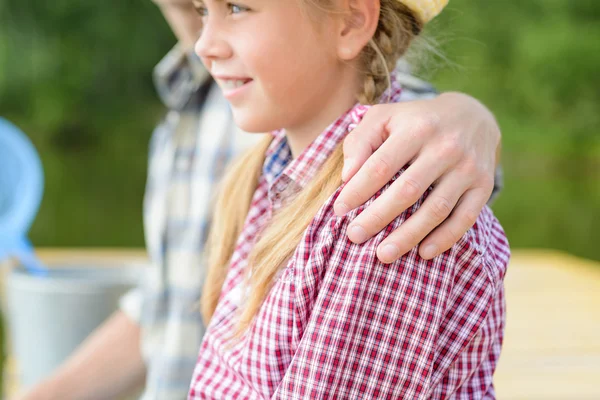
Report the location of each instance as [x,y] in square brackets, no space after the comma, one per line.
[396,29]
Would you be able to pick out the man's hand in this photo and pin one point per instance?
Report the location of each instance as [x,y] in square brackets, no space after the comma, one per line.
[451,142]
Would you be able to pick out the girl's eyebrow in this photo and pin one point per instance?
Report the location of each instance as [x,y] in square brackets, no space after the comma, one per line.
[201,2]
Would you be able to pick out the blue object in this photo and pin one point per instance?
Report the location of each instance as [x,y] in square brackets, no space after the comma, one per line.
[21,189]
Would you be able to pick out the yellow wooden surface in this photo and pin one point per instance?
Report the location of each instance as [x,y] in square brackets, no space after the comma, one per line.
[111,256]
[552,346]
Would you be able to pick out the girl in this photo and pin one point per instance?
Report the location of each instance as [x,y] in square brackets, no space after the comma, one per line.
[294,309]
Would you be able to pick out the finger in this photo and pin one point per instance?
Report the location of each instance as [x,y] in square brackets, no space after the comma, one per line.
[403,193]
[460,221]
[356,152]
[434,210]
[377,171]
[364,140]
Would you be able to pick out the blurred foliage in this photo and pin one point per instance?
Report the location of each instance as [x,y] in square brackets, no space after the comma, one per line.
[76,76]
[535,63]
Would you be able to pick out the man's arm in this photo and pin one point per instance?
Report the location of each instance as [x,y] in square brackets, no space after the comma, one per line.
[107,365]
[183,20]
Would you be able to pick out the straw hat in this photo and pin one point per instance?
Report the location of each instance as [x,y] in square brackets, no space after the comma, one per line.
[425,10]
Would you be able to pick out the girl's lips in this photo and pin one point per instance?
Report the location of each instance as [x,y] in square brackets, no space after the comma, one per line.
[233,88]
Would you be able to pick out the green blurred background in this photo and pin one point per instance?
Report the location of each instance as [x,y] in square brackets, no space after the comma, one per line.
[76,77]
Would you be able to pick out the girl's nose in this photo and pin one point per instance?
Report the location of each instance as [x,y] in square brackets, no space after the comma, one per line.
[211,44]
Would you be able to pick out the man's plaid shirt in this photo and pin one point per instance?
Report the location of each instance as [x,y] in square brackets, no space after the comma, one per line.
[340,324]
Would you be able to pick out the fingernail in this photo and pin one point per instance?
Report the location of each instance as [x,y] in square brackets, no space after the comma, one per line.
[389,253]
[358,234]
[430,251]
[341,209]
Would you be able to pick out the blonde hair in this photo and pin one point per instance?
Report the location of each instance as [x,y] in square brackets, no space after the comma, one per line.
[277,242]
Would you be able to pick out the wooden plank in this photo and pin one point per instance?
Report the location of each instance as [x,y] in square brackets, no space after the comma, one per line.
[86,256]
[552,345]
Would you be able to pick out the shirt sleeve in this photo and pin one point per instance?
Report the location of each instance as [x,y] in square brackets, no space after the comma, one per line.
[384,331]
[179,77]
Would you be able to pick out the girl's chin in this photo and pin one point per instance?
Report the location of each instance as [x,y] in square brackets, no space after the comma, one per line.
[253,123]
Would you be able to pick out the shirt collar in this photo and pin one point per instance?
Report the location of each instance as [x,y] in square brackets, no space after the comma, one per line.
[286,176]
[178,76]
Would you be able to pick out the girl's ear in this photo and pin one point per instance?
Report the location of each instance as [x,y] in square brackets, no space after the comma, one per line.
[358,26]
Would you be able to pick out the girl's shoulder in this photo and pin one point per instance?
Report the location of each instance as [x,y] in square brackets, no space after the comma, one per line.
[486,240]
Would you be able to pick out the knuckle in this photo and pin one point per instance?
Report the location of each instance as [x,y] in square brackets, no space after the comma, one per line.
[450,233]
[410,188]
[470,217]
[451,148]
[469,168]
[440,208]
[411,238]
[375,219]
[426,124]
[397,199]
[351,197]
[379,168]
[451,236]
[354,197]
[445,237]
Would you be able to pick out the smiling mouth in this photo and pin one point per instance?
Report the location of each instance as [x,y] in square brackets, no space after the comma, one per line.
[230,84]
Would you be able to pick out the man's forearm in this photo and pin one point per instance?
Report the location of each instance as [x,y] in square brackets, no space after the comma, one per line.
[183,20]
[107,365]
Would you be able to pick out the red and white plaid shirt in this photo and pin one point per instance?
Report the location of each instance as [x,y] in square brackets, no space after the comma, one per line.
[339,324]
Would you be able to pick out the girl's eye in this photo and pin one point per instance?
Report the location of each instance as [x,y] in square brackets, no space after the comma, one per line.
[236,9]
[232,8]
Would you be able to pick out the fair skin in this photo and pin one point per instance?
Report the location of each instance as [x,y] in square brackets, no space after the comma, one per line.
[262,62]
[445,143]
[462,183]
[453,127]
[451,141]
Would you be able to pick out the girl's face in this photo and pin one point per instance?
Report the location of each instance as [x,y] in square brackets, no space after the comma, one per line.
[276,63]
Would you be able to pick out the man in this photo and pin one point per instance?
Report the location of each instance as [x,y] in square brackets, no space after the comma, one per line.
[450,140]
